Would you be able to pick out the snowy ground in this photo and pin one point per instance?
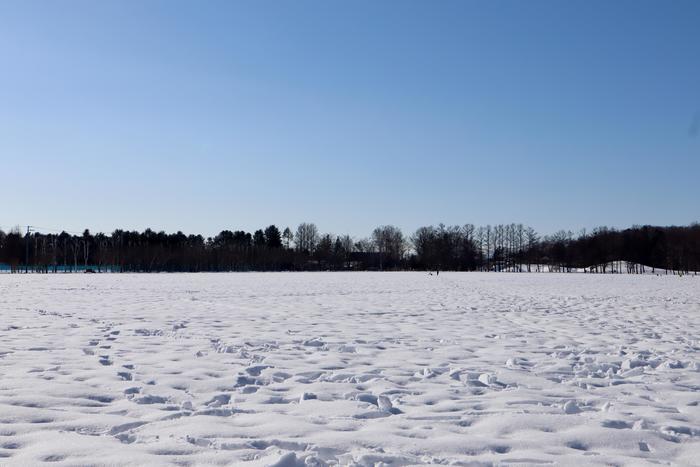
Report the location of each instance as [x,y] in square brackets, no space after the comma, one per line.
[343,368]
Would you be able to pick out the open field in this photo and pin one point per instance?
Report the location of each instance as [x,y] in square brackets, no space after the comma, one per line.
[349,368]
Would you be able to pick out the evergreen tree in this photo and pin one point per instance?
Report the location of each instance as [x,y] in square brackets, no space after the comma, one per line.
[273,237]
[259,239]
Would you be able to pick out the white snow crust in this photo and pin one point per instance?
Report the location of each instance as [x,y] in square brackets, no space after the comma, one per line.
[312,369]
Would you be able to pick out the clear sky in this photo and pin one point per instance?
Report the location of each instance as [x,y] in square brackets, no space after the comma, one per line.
[201,116]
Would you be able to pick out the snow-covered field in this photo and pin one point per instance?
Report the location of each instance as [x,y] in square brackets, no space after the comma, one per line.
[343,368]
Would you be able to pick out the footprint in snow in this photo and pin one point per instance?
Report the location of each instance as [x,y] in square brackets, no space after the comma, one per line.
[256,370]
[571,407]
[218,401]
[150,399]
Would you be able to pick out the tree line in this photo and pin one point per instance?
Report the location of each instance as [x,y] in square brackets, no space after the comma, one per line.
[505,247]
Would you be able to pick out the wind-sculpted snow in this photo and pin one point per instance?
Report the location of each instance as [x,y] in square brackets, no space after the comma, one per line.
[349,369]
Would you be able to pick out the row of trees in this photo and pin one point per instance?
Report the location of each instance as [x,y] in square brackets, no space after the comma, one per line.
[511,247]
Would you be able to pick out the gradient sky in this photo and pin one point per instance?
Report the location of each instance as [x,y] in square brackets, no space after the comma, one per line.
[201,116]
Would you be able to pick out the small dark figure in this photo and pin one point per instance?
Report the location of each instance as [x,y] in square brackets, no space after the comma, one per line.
[437,273]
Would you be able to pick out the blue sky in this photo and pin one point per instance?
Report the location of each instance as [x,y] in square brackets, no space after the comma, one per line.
[201,116]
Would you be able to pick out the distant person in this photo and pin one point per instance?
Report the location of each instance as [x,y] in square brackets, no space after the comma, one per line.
[437,272]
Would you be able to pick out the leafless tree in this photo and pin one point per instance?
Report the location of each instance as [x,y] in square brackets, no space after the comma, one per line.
[287,236]
[306,238]
[390,244]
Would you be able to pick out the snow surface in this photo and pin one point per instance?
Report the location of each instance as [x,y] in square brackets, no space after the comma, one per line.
[349,368]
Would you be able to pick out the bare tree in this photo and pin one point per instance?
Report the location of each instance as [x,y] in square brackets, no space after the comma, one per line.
[364,245]
[288,236]
[347,244]
[306,237]
[390,244]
